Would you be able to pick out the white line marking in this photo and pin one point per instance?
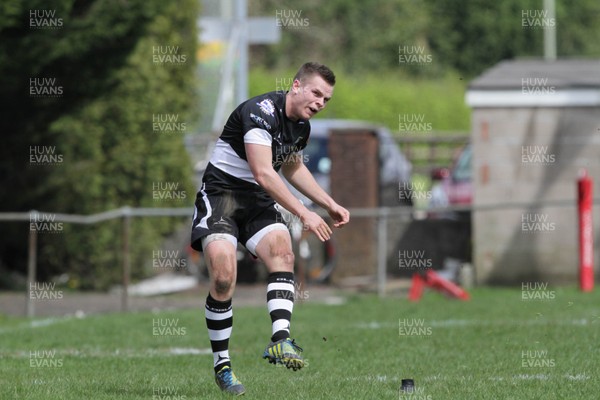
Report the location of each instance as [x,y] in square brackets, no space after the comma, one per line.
[460,323]
[133,353]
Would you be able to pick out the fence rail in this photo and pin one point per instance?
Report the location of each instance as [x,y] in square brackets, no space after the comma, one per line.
[383,215]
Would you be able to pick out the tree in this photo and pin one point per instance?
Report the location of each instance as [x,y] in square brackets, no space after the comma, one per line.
[467,36]
[473,35]
[351,35]
[87,89]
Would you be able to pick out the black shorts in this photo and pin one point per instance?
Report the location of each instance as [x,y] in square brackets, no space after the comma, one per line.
[246,213]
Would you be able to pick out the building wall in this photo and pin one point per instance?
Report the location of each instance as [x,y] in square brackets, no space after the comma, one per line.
[524,158]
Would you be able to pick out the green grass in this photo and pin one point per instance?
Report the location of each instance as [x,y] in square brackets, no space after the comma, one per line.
[463,350]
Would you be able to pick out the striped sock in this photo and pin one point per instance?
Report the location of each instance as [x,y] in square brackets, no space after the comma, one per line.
[219,321]
[280,303]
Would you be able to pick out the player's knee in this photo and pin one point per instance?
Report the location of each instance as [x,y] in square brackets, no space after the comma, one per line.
[281,250]
[288,259]
[223,285]
[222,269]
[223,280]
[275,251]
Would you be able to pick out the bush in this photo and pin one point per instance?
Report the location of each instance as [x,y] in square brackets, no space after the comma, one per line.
[383,97]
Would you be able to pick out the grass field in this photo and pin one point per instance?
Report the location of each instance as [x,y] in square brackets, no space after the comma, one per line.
[531,343]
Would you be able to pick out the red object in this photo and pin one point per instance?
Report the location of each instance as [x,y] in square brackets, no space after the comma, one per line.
[436,282]
[445,286]
[586,229]
[416,290]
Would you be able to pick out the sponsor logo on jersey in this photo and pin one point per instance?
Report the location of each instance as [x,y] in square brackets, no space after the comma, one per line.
[260,120]
[267,107]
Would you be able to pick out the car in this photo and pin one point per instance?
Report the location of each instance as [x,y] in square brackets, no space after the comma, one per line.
[453,186]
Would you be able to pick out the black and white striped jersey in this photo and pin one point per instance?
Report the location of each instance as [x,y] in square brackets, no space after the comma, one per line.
[259,120]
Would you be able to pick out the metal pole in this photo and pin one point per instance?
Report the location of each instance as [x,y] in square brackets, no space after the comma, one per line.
[382,250]
[550,31]
[240,17]
[126,258]
[227,91]
[31,263]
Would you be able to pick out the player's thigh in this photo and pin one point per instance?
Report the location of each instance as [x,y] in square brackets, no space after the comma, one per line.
[213,215]
[275,250]
[263,220]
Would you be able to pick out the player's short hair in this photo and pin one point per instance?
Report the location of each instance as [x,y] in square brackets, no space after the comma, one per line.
[312,68]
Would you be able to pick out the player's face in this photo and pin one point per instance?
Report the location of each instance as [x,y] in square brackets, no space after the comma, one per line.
[309,97]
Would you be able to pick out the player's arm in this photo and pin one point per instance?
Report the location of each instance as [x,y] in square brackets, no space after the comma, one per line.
[300,177]
[259,159]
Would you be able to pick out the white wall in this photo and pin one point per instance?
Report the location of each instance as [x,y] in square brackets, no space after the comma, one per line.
[531,155]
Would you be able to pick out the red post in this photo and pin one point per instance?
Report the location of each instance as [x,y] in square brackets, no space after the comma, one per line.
[586,240]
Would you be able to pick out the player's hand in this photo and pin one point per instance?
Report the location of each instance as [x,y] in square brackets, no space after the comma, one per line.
[340,215]
[314,223]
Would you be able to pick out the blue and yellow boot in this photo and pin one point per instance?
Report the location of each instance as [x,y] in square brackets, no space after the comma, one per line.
[228,382]
[285,352]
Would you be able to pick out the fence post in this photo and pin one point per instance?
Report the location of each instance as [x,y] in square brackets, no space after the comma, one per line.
[382,250]
[31,263]
[585,200]
[126,211]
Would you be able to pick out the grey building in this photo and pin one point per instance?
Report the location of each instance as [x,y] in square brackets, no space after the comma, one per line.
[535,126]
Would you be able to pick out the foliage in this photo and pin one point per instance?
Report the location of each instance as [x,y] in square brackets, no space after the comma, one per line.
[102,58]
[384,97]
[467,36]
[473,35]
[358,36]
[363,43]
